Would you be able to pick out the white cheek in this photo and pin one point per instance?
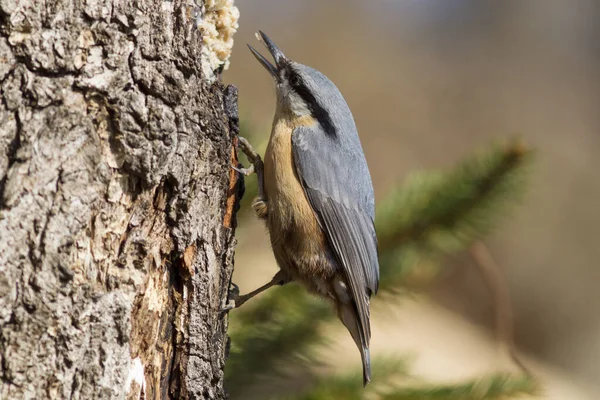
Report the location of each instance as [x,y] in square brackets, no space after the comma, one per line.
[290,101]
[297,105]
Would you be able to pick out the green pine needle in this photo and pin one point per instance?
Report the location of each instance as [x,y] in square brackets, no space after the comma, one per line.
[497,387]
[350,386]
[436,213]
[278,327]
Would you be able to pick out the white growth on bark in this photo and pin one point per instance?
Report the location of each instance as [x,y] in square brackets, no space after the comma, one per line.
[218,22]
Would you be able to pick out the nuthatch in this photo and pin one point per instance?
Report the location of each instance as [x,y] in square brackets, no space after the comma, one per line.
[316,195]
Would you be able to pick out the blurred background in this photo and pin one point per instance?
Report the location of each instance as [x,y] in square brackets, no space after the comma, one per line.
[429,82]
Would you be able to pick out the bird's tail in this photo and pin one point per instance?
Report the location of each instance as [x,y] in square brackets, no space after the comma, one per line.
[366,361]
[347,315]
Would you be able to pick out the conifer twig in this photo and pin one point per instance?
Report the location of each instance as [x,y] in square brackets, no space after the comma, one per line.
[443,212]
[494,387]
[498,288]
[455,197]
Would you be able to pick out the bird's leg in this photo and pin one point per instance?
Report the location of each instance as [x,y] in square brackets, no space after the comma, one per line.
[257,164]
[280,278]
[260,203]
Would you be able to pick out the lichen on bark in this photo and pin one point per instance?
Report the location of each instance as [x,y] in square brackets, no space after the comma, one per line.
[114,188]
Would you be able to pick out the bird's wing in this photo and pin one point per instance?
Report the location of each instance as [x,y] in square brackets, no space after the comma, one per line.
[336,180]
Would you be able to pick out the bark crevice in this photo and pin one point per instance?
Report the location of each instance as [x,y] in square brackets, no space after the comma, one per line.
[117,203]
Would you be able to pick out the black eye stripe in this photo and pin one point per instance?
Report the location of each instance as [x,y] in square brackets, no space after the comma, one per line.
[316,109]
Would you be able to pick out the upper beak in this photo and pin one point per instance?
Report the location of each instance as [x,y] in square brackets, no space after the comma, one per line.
[277,54]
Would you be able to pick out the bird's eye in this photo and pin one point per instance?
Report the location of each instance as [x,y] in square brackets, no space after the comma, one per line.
[294,81]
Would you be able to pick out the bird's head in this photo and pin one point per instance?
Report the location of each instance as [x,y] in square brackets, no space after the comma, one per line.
[303,91]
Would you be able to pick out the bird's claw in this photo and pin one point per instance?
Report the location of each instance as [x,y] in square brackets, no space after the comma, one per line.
[244,171]
[260,207]
[247,149]
[251,154]
[232,296]
[256,165]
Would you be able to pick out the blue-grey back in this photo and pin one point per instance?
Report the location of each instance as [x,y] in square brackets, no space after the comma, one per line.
[339,152]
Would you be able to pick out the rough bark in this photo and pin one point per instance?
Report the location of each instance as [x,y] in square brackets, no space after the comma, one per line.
[116,202]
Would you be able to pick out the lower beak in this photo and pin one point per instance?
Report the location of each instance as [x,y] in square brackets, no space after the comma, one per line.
[277,54]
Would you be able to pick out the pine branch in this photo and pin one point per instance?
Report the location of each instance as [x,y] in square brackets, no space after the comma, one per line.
[437,213]
[281,326]
[496,387]
[349,386]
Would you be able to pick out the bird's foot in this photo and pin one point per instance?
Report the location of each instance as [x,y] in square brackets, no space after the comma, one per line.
[235,300]
[256,166]
[247,149]
[260,207]
[244,171]
[232,296]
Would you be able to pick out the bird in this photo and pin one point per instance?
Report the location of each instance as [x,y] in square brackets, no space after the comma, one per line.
[316,196]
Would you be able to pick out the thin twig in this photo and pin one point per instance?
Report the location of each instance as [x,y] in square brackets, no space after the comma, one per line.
[498,288]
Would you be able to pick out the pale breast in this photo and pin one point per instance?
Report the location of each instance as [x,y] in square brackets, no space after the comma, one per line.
[288,204]
[295,233]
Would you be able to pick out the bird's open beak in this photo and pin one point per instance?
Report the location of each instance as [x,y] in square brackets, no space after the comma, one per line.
[277,54]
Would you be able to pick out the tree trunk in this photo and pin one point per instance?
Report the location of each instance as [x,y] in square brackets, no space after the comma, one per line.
[116,199]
